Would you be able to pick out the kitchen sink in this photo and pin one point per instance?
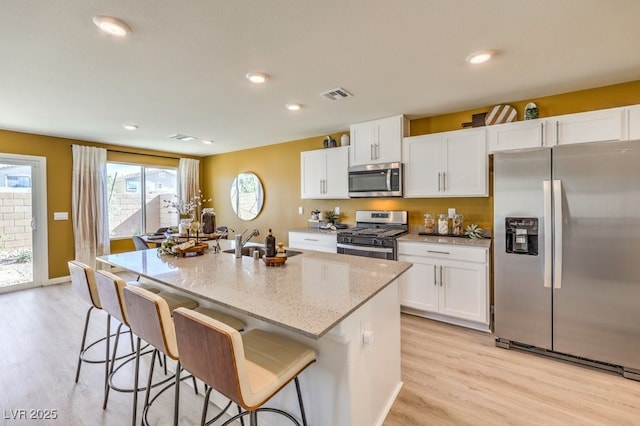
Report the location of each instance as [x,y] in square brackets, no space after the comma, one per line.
[248,251]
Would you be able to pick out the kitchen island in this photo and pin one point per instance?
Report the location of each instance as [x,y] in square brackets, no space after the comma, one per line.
[345,307]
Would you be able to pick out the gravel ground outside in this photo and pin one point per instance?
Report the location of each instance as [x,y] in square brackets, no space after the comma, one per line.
[15,273]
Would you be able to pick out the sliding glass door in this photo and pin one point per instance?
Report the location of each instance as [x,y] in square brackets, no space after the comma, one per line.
[23,222]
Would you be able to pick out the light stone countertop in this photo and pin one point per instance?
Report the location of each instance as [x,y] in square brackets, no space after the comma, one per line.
[310,294]
[460,241]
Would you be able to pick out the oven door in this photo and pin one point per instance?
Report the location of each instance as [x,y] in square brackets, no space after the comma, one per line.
[367,251]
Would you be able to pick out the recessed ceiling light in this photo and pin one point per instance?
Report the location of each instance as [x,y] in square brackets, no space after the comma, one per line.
[293,107]
[480,56]
[130,126]
[112,26]
[257,77]
[206,141]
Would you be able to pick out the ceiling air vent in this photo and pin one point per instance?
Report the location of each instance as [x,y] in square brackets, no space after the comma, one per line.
[337,94]
[181,137]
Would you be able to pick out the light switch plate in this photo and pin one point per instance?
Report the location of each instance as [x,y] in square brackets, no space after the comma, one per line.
[300,210]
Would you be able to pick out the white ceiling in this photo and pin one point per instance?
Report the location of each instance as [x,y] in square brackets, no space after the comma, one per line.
[182,69]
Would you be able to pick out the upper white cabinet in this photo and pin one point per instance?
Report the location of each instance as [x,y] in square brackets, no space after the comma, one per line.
[594,126]
[449,164]
[634,122]
[378,141]
[518,135]
[324,173]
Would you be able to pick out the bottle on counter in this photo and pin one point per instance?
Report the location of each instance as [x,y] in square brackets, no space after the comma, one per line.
[443,224]
[270,245]
[429,224]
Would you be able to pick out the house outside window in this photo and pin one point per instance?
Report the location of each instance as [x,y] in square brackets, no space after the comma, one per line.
[136,195]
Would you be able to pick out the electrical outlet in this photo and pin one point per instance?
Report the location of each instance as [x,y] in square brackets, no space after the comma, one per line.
[452,213]
[337,210]
[300,210]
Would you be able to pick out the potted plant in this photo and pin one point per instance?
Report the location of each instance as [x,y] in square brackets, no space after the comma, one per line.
[331,216]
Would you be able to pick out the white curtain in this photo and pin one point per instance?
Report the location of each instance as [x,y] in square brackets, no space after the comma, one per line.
[189,173]
[89,208]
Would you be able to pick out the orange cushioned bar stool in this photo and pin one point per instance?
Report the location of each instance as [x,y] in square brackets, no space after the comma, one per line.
[149,316]
[247,368]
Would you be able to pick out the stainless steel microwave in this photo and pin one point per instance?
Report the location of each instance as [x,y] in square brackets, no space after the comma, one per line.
[376,180]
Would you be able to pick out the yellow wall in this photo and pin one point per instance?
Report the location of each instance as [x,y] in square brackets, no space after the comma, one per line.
[278,166]
[59,169]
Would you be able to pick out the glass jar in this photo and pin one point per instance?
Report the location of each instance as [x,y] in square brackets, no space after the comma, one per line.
[443,224]
[429,224]
[208,220]
[458,225]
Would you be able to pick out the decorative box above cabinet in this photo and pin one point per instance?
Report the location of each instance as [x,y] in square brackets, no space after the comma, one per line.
[594,126]
[449,164]
[324,173]
[378,141]
[518,135]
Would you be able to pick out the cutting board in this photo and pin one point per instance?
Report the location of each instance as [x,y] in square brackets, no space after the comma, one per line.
[500,114]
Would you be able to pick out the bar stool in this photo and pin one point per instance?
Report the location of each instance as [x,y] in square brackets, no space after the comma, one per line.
[149,316]
[248,369]
[83,281]
[110,288]
[84,285]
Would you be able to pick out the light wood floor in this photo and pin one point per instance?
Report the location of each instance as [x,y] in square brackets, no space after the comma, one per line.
[452,376]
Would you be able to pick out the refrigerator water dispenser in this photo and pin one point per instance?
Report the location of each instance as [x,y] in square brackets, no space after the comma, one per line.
[521,235]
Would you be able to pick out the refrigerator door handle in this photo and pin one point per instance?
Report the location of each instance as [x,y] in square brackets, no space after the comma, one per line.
[557,240]
[546,185]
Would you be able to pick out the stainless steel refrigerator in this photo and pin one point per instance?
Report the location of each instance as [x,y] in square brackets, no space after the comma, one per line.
[567,252]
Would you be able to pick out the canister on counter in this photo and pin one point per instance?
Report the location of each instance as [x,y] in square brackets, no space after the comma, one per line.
[443,224]
[458,225]
[429,224]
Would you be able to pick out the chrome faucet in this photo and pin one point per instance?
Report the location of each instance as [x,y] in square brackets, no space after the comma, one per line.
[240,242]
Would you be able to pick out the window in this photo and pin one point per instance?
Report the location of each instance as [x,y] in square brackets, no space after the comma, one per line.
[136,197]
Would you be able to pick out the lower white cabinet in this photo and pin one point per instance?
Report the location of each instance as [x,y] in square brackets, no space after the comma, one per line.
[317,241]
[447,282]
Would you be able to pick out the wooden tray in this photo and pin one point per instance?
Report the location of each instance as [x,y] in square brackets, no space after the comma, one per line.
[274,261]
[198,249]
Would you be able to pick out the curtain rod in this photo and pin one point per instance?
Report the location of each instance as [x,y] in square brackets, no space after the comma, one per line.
[137,153]
[148,155]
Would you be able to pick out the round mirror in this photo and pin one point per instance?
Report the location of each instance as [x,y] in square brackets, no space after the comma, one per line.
[247,196]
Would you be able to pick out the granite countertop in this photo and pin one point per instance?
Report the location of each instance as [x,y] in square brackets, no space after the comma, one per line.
[461,241]
[310,294]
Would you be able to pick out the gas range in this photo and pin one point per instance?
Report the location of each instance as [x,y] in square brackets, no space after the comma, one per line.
[375,234]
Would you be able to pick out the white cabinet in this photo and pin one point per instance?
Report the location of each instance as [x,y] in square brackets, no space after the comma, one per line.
[316,241]
[378,141]
[594,126]
[324,173]
[634,122]
[447,283]
[518,135]
[449,164]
